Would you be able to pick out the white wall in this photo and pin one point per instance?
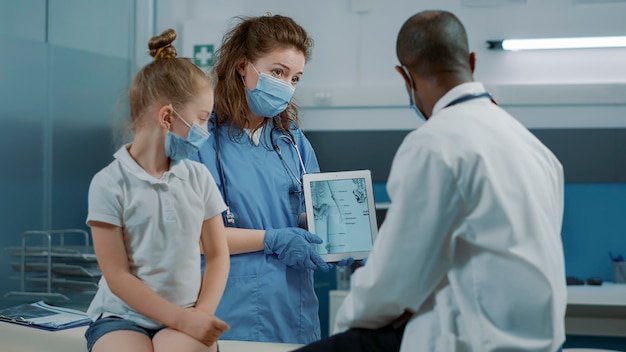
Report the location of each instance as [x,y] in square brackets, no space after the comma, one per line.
[352,67]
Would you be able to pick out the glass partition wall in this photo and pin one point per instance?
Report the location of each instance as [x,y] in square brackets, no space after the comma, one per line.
[65,69]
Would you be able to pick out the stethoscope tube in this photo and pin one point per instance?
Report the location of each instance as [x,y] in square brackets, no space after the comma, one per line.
[230,218]
[291,141]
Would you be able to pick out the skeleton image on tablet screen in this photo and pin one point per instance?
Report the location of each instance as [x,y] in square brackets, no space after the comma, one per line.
[333,206]
[340,209]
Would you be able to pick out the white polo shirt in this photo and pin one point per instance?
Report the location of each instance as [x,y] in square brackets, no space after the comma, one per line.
[161,221]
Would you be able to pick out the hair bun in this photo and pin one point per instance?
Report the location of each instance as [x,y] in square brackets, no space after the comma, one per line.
[161,45]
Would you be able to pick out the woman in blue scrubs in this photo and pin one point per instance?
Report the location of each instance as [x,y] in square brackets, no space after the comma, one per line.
[257,155]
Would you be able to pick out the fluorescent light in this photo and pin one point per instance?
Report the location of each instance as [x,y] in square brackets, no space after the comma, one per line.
[558,43]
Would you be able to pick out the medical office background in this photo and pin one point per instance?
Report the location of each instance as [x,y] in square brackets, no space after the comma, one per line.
[66,66]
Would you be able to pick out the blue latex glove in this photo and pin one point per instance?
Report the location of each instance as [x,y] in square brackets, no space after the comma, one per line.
[294,247]
[350,261]
[346,262]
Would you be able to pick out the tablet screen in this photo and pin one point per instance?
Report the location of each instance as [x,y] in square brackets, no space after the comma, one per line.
[343,215]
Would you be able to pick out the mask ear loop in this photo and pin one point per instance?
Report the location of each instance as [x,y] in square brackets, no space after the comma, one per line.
[412,102]
[274,79]
[412,91]
[255,70]
[178,115]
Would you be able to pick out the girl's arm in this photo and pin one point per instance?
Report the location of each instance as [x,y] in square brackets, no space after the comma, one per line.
[110,250]
[217,264]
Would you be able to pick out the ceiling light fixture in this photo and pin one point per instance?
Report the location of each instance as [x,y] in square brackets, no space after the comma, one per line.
[557,43]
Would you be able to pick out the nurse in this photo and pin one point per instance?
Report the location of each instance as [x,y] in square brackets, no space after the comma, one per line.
[258,154]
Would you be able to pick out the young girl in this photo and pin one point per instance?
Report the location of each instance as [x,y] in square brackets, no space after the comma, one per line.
[149,209]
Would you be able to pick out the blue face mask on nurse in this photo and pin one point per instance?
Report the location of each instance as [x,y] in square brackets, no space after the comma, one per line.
[271,95]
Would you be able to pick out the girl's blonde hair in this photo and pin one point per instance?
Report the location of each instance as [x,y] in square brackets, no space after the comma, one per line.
[167,79]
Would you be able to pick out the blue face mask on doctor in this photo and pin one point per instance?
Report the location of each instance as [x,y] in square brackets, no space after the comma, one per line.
[178,148]
[270,97]
[412,96]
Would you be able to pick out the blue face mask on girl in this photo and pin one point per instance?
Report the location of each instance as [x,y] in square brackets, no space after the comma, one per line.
[178,148]
[270,97]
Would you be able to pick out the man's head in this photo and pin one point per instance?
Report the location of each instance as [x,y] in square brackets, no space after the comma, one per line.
[432,47]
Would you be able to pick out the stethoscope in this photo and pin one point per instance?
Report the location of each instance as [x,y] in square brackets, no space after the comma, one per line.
[467,97]
[289,137]
[286,135]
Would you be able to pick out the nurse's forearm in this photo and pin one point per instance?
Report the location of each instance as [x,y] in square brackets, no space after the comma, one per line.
[244,240]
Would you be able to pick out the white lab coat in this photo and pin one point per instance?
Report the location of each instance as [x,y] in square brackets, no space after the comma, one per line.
[471,243]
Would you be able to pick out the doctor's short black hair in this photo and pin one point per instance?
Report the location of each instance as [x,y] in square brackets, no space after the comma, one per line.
[432,42]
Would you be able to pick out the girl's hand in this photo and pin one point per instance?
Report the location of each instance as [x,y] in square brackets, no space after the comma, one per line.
[202,326]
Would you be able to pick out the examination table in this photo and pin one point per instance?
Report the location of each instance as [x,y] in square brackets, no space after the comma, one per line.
[16,338]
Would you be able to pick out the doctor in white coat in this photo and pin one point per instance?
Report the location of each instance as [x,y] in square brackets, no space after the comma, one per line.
[469,257]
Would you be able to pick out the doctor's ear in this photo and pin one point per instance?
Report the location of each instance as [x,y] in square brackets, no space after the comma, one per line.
[407,80]
[472,61]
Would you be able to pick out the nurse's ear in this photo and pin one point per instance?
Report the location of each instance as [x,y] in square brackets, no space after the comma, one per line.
[241,66]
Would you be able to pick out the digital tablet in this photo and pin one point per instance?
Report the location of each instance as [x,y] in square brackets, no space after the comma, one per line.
[340,209]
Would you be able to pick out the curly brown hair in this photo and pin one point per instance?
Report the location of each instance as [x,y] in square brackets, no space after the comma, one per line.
[251,38]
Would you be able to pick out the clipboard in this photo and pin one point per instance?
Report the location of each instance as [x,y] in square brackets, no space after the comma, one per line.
[44,316]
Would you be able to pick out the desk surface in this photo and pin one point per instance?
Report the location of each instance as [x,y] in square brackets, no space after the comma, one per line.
[16,338]
[608,294]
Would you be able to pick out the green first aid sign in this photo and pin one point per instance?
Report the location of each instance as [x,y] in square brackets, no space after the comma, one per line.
[203,55]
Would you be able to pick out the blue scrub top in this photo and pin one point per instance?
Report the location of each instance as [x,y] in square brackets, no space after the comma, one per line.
[264,300]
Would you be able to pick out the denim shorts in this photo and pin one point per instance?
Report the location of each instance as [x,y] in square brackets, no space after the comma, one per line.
[102,326]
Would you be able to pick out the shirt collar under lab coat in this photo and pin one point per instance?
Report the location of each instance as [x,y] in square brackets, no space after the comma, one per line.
[456,92]
[177,167]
